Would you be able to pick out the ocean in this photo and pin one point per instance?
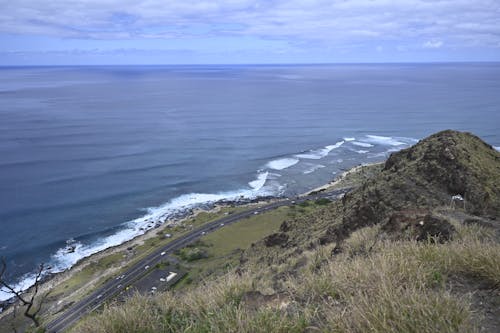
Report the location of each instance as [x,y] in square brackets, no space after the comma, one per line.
[97,155]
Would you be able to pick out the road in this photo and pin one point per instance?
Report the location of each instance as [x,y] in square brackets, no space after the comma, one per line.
[112,287]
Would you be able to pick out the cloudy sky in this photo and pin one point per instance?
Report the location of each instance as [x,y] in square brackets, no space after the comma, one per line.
[247,31]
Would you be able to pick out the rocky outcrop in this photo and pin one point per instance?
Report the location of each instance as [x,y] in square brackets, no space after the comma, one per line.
[277,239]
[419,225]
[444,166]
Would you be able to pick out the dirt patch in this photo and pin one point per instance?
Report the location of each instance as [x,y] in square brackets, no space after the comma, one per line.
[484,298]
[255,300]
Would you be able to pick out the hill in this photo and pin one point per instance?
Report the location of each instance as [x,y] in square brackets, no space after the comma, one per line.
[414,248]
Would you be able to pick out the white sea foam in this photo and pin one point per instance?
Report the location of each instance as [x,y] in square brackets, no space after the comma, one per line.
[313,168]
[282,163]
[319,153]
[64,259]
[349,139]
[361,151]
[259,182]
[384,140]
[362,144]
[25,282]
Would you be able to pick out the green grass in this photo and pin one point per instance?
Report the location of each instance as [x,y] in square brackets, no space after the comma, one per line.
[92,270]
[242,234]
[224,246]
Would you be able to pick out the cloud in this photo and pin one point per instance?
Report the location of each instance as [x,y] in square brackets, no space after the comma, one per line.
[321,20]
[433,44]
[328,28]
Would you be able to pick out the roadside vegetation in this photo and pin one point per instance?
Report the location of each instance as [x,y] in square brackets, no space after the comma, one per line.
[403,286]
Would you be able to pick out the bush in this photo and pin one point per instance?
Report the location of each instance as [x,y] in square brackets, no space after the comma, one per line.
[192,254]
[323,201]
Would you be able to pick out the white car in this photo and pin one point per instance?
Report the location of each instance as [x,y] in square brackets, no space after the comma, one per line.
[163,253]
[146,267]
[203,233]
[222,224]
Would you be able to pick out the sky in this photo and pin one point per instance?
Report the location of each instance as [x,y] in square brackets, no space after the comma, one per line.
[115,32]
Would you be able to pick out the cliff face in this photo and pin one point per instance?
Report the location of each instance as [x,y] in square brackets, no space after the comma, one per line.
[448,168]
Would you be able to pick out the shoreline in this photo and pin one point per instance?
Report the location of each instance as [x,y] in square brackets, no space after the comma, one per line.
[52,280]
[339,179]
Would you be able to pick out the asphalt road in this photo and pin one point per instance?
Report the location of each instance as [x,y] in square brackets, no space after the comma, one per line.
[112,287]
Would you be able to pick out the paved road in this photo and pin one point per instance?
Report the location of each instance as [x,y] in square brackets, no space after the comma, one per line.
[114,286]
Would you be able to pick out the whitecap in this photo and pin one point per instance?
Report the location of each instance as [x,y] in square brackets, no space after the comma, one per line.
[319,153]
[313,168]
[282,163]
[273,175]
[362,144]
[349,139]
[384,140]
[361,151]
[259,182]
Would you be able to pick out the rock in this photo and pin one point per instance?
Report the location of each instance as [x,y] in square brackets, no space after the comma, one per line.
[419,225]
[436,229]
[285,226]
[276,239]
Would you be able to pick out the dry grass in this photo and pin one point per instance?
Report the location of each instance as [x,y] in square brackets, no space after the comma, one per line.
[215,306]
[396,287]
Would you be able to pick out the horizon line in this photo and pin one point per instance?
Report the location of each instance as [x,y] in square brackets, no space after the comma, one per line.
[263,64]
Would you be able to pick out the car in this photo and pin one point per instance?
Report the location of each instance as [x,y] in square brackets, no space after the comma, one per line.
[146,267]
[163,253]
[99,296]
[203,233]
[255,213]
[162,279]
[168,235]
[118,286]
[222,224]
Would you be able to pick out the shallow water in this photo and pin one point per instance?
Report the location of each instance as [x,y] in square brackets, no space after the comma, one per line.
[97,153]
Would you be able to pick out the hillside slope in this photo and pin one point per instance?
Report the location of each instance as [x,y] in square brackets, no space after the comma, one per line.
[396,254]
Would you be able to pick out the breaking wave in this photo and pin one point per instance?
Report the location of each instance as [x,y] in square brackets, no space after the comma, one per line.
[282,163]
[319,153]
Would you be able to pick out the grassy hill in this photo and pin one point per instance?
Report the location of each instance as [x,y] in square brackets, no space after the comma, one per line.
[396,254]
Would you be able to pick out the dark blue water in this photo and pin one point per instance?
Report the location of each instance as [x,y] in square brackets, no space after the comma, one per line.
[84,150]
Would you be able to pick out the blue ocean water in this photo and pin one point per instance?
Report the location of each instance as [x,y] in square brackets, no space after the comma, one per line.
[98,154]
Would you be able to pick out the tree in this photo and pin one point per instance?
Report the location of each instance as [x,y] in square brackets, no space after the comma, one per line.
[31,310]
